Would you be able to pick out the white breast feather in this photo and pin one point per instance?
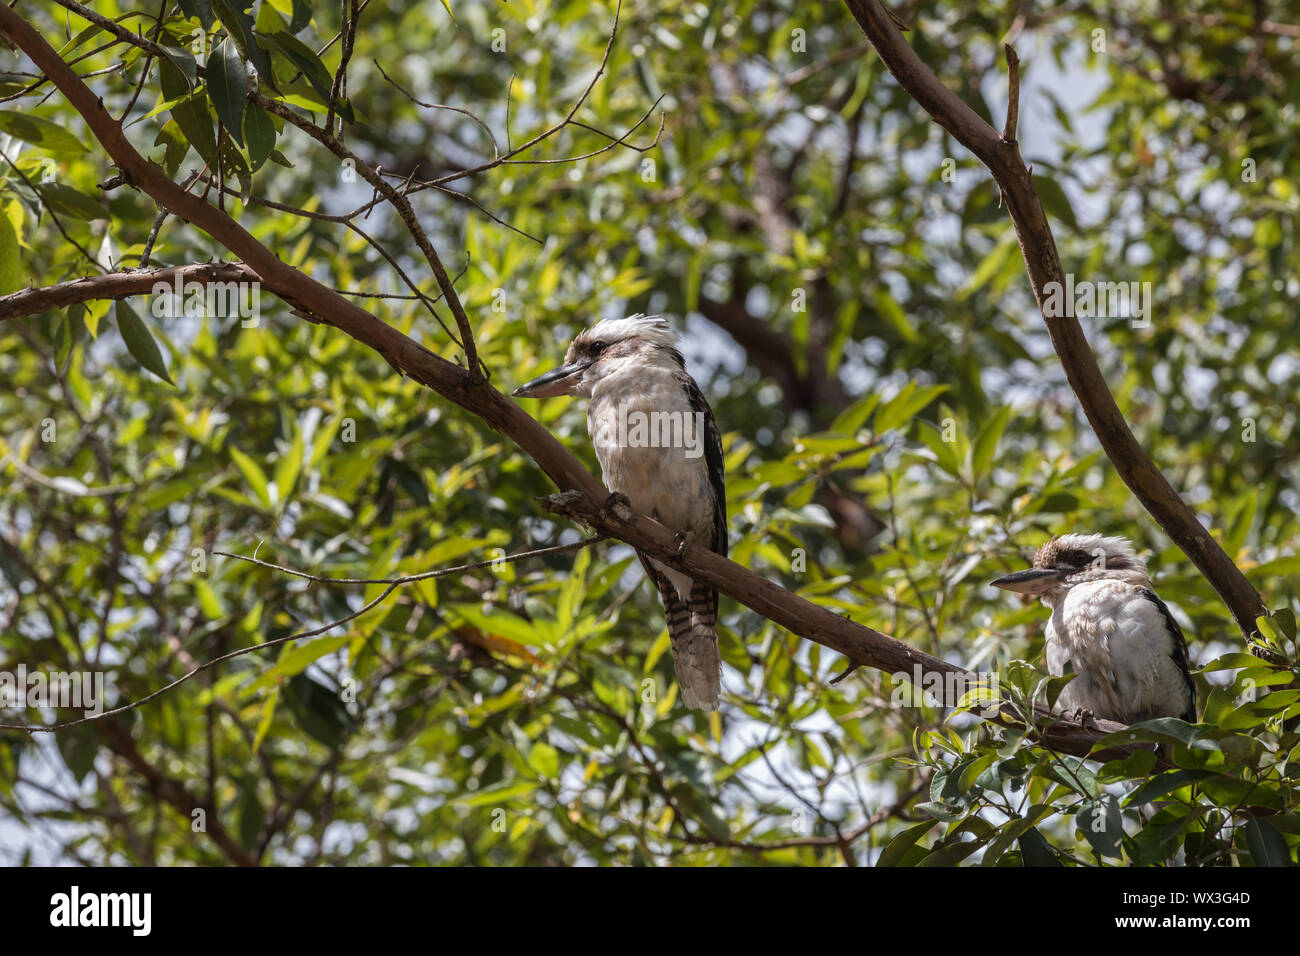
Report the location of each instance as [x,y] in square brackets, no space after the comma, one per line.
[1119,645]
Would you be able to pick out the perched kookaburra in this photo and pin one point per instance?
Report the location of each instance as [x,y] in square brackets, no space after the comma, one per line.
[659,446]
[1110,629]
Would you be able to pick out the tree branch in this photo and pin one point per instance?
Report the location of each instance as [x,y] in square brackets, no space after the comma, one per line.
[173,792]
[118,285]
[770,351]
[584,493]
[1038,247]
[1013,94]
[324,137]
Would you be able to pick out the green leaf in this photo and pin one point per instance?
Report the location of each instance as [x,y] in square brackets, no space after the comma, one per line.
[572,590]
[500,622]
[902,407]
[1285,619]
[887,307]
[1135,765]
[184,61]
[1243,518]
[201,10]
[40,132]
[239,25]
[62,338]
[1163,783]
[233,161]
[228,87]
[67,201]
[305,59]
[986,442]
[1074,773]
[897,848]
[1161,730]
[166,105]
[989,266]
[1283,567]
[703,809]
[318,710]
[253,474]
[79,39]
[694,271]
[301,15]
[268,713]
[1055,201]
[1264,624]
[251,815]
[174,144]
[944,451]
[1035,850]
[296,658]
[1267,846]
[952,854]
[11,270]
[1012,830]
[852,418]
[190,113]
[1233,661]
[499,794]
[1054,686]
[259,134]
[78,750]
[140,341]
[1254,713]
[287,469]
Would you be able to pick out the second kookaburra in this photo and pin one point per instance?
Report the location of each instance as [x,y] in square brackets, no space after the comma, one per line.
[1110,628]
[659,446]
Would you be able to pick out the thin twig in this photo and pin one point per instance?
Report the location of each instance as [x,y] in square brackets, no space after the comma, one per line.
[441,106]
[160,219]
[1013,94]
[424,575]
[53,217]
[393,585]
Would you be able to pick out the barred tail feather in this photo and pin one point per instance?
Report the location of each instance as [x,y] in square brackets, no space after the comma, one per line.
[693,636]
[698,666]
[695,649]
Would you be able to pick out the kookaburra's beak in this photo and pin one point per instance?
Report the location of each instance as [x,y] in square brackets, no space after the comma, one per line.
[1033,581]
[560,381]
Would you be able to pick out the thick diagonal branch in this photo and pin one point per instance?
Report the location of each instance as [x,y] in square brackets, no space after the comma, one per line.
[1038,247]
[862,645]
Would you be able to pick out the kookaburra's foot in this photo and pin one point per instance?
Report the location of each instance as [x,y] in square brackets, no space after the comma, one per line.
[1086,719]
[681,541]
[617,506]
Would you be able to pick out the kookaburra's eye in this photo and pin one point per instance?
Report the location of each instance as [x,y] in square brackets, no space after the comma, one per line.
[598,347]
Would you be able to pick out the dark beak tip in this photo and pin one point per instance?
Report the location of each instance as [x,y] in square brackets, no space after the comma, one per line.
[1024,582]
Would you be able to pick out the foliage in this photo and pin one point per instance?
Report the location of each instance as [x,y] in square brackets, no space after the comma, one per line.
[525,712]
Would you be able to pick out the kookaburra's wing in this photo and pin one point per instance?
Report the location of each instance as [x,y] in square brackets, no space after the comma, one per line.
[713,460]
[693,622]
[1179,654]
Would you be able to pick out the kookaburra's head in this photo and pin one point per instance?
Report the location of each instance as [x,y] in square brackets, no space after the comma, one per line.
[1075,559]
[608,347]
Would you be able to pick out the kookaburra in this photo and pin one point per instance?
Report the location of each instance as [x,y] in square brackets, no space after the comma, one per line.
[659,446]
[1110,628]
